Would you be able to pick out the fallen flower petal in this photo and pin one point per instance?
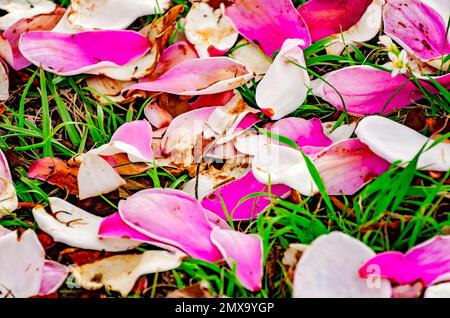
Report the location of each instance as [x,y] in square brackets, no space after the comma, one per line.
[107,90]
[396,142]
[77,228]
[157,116]
[120,272]
[4,82]
[53,276]
[329,269]
[8,196]
[285,86]
[438,291]
[252,57]
[341,133]
[268,23]
[23,9]
[243,251]
[219,99]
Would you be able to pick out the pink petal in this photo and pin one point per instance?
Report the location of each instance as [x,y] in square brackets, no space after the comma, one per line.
[199,77]
[328,17]
[219,99]
[232,193]
[303,132]
[246,251]
[268,23]
[53,276]
[425,262]
[85,52]
[173,217]
[417,27]
[157,116]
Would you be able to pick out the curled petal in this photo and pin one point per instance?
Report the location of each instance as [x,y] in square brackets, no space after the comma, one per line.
[268,23]
[396,142]
[120,272]
[285,86]
[245,252]
[53,276]
[180,222]
[341,133]
[329,269]
[23,9]
[77,228]
[207,27]
[202,76]
[426,262]
[85,52]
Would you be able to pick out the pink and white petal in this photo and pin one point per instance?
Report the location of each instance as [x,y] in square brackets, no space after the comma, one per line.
[77,228]
[23,9]
[329,269]
[243,251]
[157,116]
[8,196]
[53,276]
[395,142]
[96,176]
[252,57]
[364,30]
[21,264]
[207,28]
[303,132]
[173,217]
[426,262]
[429,26]
[219,99]
[268,23]
[203,76]
[347,166]
[438,291]
[112,14]
[329,17]
[133,138]
[341,133]
[285,86]
[85,52]
[233,192]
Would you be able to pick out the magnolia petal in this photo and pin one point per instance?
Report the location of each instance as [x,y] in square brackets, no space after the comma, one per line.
[252,57]
[426,262]
[8,196]
[341,133]
[23,9]
[427,22]
[207,27]
[21,264]
[120,272]
[180,222]
[107,90]
[245,252]
[328,17]
[268,23]
[329,269]
[112,14]
[53,276]
[347,166]
[202,76]
[250,142]
[4,83]
[395,142]
[233,192]
[286,84]
[157,116]
[96,176]
[438,291]
[85,52]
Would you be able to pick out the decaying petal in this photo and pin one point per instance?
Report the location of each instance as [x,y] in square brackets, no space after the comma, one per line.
[8,196]
[329,269]
[396,142]
[202,76]
[180,222]
[77,228]
[23,9]
[285,86]
[120,272]
[107,90]
[243,251]
[207,27]
[252,57]
[53,276]
[268,23]
[426,262]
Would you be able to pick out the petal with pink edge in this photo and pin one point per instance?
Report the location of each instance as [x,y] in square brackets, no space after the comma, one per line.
[426,262]
[243,251]
[180,221]
[53,276]
[285,86]
[23,9]
[329,267]
[395,142]
[85,52]
[202,76]
[428,24]
[219,99]
[77,228]
[268,23]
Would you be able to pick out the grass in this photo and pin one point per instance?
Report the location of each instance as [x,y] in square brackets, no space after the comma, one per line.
[56,116]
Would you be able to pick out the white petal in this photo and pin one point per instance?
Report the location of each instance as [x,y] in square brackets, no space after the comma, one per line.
[252,57]
[341,133]
[22,9]
[438,291]
[77,228]
[249,143]
[395,142]
[329,269]
[285,86]
[4,83]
